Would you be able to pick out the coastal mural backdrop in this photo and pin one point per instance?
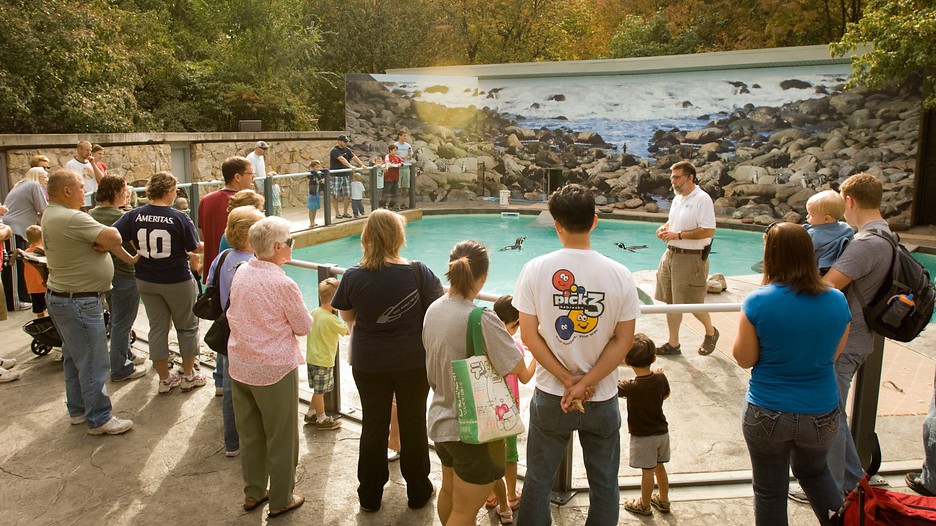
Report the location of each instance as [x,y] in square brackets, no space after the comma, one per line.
[763,140]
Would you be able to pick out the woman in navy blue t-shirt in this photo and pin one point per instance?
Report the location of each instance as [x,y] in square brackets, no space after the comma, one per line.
[383,305]
[163,237]
[791,331]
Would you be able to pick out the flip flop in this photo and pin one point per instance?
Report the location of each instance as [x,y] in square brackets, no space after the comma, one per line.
[297,500]
[491,503]
[251,503]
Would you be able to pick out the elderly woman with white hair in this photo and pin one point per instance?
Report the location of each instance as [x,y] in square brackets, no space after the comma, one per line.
[266,315]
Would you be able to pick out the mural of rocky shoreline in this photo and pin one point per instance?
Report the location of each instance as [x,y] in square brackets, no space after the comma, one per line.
[759,163]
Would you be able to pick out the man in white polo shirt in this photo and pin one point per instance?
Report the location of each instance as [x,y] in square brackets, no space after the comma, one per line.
[683,271]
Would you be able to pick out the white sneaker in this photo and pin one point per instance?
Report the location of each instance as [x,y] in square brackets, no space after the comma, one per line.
[57,355]
[136,373]
[165,386]
[8,376]
[191,382]
[114,426]
[219,391]
[77,420]
[138,359]
[230,454]
[7,363]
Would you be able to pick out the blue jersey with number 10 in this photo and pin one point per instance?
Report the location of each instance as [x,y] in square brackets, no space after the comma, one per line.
[163,237]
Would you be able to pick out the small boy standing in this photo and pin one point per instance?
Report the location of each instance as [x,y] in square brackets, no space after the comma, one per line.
[830,235]
[646,423]
[321,348]
[316,177]
[357,195]
[34,284]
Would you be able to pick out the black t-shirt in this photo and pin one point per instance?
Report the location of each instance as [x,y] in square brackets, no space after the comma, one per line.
[336,153]
[163,236]
[387,334]
[645,395]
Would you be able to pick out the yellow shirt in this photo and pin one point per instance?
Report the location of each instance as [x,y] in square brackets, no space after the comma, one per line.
[322,343]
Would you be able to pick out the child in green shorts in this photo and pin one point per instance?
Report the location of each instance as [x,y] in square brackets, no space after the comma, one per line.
[321,348]
[505,496]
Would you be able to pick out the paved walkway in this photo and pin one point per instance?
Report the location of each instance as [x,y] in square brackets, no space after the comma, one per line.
[171,467]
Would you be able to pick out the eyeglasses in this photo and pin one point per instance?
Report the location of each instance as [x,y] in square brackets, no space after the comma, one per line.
[677,177]
[289,242]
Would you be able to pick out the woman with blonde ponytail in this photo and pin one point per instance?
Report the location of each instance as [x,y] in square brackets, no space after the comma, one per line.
[469,471]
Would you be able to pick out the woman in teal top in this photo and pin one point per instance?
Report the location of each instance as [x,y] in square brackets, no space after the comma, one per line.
[790,331]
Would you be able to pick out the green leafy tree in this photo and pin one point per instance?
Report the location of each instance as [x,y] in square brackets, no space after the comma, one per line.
[901,34]
[637,37]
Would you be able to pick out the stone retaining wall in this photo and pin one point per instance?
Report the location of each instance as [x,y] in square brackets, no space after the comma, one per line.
[138,156]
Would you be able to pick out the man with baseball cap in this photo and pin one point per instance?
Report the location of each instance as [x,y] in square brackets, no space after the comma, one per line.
[340,159]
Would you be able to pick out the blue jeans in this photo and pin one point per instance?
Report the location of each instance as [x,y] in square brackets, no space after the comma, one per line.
[124,302]
[231,439]
[929,447]
[777,440]
[80,323]
[599,429]
[843,457]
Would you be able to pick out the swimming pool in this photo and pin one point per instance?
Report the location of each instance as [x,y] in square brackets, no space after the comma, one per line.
[430,240]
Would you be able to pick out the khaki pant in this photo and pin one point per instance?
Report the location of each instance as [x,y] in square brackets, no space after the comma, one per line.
[267,420]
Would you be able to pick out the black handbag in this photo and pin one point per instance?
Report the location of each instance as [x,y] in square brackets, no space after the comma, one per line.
[217,336]
[220,331]
[208,305]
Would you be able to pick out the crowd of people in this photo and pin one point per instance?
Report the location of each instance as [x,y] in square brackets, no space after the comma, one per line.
[575,309]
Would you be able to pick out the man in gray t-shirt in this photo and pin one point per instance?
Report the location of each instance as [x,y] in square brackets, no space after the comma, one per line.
[859,272]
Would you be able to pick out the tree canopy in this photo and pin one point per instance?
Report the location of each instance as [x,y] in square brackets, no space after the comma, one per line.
[203,65]
[902,36]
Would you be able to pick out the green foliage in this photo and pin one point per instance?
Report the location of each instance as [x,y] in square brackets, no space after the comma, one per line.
[637,37]
[901,34]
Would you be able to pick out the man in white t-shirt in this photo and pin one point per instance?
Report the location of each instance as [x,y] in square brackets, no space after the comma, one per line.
[90,172]
[257,159]
[683,272]
[577,315]
[405,152]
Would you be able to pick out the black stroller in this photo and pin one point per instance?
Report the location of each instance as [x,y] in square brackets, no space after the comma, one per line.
[45,336]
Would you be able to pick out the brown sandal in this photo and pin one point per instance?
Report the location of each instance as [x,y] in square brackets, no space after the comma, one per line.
[251,503]
[297,500]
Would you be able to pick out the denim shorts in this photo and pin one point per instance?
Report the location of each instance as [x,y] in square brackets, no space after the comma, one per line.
[473,463]
[313,202]
[321,379]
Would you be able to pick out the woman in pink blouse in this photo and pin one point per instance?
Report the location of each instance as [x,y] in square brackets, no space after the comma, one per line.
[266,315]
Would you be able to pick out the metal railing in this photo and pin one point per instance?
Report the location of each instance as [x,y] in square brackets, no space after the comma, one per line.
[865,387]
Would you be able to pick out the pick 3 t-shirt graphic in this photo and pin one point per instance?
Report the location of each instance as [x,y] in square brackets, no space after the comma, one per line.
[583,307]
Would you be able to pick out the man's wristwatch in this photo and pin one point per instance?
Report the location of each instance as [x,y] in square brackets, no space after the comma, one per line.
[678,235]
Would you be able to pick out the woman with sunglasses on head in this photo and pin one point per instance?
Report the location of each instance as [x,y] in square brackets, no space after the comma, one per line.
[266,315]
[790,332]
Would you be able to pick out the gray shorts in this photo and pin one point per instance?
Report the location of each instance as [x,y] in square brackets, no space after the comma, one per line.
[647,452]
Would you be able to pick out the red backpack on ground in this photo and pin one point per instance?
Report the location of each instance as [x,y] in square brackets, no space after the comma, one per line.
[872,506]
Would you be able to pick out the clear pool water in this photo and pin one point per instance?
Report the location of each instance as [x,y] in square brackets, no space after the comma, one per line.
[430,240]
